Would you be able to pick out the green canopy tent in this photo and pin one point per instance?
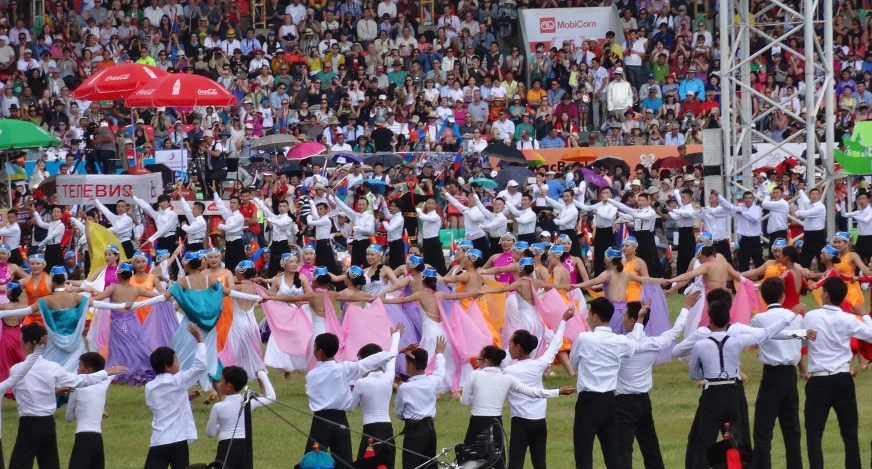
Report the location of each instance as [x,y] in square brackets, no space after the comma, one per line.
[23,135]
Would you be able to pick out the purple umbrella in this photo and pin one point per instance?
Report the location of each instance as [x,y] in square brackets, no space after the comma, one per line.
[594,179]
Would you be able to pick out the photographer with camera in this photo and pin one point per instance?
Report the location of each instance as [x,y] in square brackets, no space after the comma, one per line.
[216,160]
[101,148]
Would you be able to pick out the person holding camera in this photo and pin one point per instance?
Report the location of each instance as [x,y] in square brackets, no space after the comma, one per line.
[216,160]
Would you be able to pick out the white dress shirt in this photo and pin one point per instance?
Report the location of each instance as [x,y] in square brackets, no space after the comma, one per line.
[122,225]
[748,219]
[364,223]
[524,218]
[487,389]
[778,210]
[322,224]
[684,348]
[416,398]
[282,224]
[234,222]
[496,222]
[778,352]
[509,198]
[20,370]
[12,233]
[568,216]
[715,219]
[643,218]
[705,359]
[225,421]
[394,225]
[35,393]
[684,215]
[166,220]
[472,217]
[530,373]
[373,392]
[432,223]
[86,407]
[196,227]
[604,214]
[167,397]
[55,231]
[634,376]
[862,217]
[597,356]
[831,350]
[327,384]
[814,215]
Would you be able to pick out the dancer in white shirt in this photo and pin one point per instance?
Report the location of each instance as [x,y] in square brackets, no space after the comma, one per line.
[196,226]
[415,404]
[86,408]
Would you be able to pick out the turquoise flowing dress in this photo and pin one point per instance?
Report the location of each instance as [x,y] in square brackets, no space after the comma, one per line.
[203,308]
[65,330]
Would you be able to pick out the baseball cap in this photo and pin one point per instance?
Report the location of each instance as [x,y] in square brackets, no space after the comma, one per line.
[619,71]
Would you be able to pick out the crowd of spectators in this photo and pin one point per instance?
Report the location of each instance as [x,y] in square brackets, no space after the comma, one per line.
[335,71]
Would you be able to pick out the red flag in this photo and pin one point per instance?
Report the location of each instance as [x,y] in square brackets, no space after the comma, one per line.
[406,243]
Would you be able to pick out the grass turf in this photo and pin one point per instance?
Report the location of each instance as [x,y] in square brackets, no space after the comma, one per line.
[127,430]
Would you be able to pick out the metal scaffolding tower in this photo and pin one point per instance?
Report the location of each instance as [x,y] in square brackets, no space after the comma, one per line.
[740,125]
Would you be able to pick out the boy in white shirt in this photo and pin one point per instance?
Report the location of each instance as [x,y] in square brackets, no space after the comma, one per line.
[86,408]
[172,427]
[226,421]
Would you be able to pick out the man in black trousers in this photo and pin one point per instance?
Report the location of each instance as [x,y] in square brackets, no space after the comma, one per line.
[777,397]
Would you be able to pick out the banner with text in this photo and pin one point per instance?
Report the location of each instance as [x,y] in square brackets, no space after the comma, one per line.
[211,206]
[109,189]
[176,160]
[553,26]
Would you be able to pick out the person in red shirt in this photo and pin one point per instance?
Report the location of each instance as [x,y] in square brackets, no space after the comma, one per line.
[252,227]
[691,104]
[709,103]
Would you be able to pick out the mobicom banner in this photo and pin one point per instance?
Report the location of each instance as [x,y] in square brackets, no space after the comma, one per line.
[109,189]
[176,160]
[553,26]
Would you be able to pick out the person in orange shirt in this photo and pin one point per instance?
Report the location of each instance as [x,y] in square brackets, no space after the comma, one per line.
[536,94]
[498,106]
[106,62]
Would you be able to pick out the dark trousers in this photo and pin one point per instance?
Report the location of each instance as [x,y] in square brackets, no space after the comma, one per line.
[686,248]
[276,249]
[575,249]
[419,437]
[528,433]
[744,433]
[647,251]
[53,256]
[432,250]
[218,177]
[234,253]
[604,239]
[815,242]
[397,256]
[193,247]
[385,453]
[751,248]
[128,248]
[863,247]
[723,247]
[595,416]
[482,244]
[781,234]
[16,258]
[331,437]
[717,406]
[38,441]
[777,398]
[636,422]
[173,455]
[529,238]
[233,450]
[87,451]
[823,393]
[488,426]
[358,252]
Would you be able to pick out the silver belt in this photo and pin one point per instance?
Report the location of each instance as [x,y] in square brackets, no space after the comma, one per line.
[720,383]
[838,371]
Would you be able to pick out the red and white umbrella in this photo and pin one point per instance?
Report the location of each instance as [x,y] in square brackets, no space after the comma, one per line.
[180,90]
[117,82]
[306,150]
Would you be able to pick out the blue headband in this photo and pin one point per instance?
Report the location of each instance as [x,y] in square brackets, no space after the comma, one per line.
[244,265]
[12,286]
[521,245]
[113,248]
[213,251]
[556,251]
[474,254]
[843,235]
[5,247]
[161,254]
[706,235]
[829,252]
[266,249]
[309,247]
[429,273]
[563,236]
[139,254]
[319,271]
[190,256]
[699,248]
[37,256]
[355,271]
[59,270]
[612,253]
[525,261]
[538,248]
[375,247]
[125,267]
[798,243]
[631,240]
[782,243]
[465,244]
[508,235]
[286,256]
[414,260]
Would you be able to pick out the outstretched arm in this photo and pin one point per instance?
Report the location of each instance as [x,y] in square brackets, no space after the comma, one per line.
[687,276]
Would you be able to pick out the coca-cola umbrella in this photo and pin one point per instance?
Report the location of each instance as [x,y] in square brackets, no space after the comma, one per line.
[117,81]
[180,90]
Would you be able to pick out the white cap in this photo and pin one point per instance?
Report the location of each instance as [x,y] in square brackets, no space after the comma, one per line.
[4,38]
[208,133]
[545,233]
[512,183]
[619,70]
[382,97]
[689,177]
[636,182]
[104,124]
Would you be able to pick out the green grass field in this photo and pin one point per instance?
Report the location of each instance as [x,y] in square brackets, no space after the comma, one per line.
[127,430]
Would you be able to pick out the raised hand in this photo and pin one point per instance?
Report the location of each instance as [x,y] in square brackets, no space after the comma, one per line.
[195,331]
[400,328]
[441,343]
[569,313]
[408,349]
[115,370]
[691,299]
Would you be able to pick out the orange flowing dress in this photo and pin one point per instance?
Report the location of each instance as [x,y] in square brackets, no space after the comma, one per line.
[36,289]
[226,319]
[146,284]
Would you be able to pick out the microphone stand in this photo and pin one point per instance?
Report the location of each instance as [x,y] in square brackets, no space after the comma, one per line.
[249,450]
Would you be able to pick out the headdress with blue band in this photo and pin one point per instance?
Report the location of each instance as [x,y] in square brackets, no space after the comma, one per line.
[295,252]
[191,256]
[704,235]
[699,247]
[414,260]
[319,271]
[125,267]
[244,265]
[140,254]
[37,256]
[429,273]
[473,255]
[465,244]
[375,248]
[355,271]
[59,270]
[537,248]
[612,254]
[12,286]
[523,262]
[843,235]
[202,253]
[521,246]
[265,250]
[781,243]
[161,254]
[830,252]
[631,240]
[563,236]
[112,248]
[284,258]
[556,251]
[5,247]
[211,251]
[508,235]
[798,243]
[546,245]
[309,247]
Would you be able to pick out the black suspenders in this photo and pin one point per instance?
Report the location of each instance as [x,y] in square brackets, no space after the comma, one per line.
[720,344]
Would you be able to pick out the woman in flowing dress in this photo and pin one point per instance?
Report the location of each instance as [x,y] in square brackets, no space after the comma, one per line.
[290,282]
[243,340]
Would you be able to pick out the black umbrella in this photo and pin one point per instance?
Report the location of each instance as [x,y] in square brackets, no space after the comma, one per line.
[386,159]
[167,175]
[518,174]
[504,152]
[612,162]
[694,158]
[275,142]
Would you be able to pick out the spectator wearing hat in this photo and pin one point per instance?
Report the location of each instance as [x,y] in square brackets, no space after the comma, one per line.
[620,95]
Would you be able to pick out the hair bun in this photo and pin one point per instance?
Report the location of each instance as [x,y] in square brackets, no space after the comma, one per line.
[501,354]
[534,341]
